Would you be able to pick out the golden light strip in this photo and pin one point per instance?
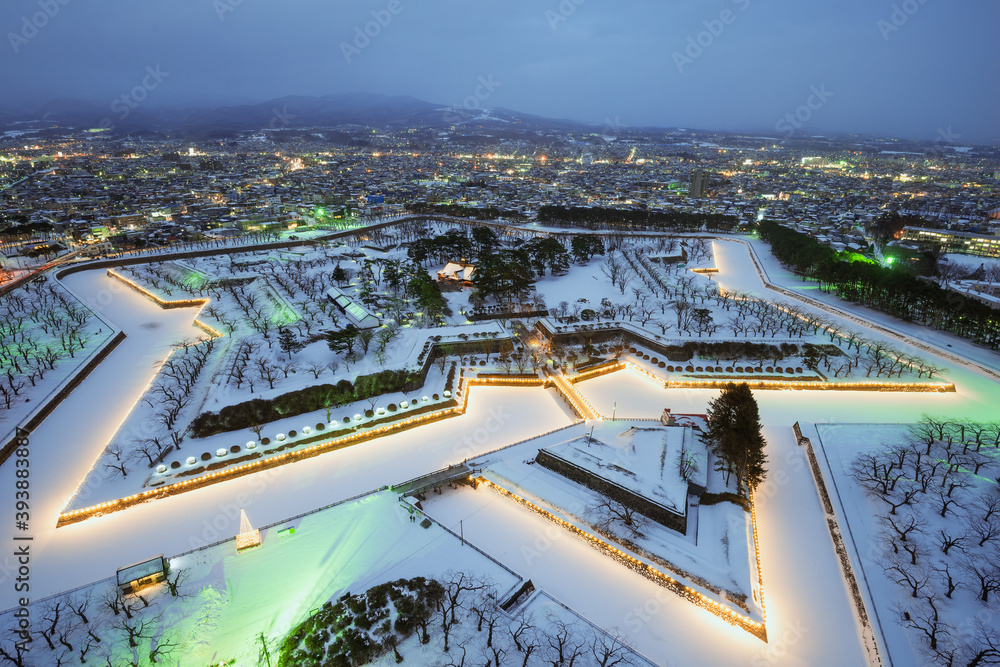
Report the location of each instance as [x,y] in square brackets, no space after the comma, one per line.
[180,303]
[756,547]
[801,384]
[724,612]
[276,460]
[580,405]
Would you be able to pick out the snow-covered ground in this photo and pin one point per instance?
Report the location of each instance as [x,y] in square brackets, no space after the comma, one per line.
[92,335]
[229,598]
[970,262]
[713,555]
[736,266]
[67,444]
[809,617]
[867,540]
[636,460]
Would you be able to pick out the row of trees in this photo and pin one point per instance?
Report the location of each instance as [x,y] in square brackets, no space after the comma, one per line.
[637,219]
[475,213]
[40,325]
[892,290]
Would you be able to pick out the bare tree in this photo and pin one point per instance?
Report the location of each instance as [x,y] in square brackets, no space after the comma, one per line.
[15,652]
[496,652]
[617,271]
[905,496]
[315,367]
[913,578]
[984,531]
[948,541]
[266,370]
[948,581]
[610,649]
[981,645]
[150,449]
[927,620]
[565,644]
[175,582]
[984,576]
[119,464]
[365,337]
[256,429]
[607,513]
[687,464]
[456,586]
[164,645]
[987,505]
[525,636]
[138,629]
[79,604]
[902,525]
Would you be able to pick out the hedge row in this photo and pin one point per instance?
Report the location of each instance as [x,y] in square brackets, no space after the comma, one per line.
[704,349]
[263,410]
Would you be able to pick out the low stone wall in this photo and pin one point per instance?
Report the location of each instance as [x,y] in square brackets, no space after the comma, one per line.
[658,513]
[867,632]
[596,371]
[723,611]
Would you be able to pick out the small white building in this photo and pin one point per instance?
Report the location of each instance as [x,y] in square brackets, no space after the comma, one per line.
[357,314]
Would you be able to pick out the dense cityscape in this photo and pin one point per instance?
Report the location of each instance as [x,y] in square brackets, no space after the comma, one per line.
[86,188]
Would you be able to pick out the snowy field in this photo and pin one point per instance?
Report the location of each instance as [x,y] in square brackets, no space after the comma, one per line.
[660,624]
[46,336]
[809,618]
[867,539]
[737,267]
[713,555]
[65,447]
[228,599]
[971,262]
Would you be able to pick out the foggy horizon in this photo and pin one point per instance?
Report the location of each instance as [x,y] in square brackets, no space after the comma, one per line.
[906,69]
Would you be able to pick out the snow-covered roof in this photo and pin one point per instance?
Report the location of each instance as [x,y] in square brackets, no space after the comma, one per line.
[354,311]
[140,570]
[457,271]
[643,460]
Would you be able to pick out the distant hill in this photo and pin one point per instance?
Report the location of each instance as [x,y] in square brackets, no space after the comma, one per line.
[297,111]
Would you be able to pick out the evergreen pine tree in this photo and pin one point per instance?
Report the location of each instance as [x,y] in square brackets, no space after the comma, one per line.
[734,435]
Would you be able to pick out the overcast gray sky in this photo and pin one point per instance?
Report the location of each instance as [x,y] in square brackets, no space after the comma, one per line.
[905,68]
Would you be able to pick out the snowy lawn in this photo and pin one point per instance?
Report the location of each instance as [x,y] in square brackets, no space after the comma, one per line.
[229,599]
[886,578]
[714,557]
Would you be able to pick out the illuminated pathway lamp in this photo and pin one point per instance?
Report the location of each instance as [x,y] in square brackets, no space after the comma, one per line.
[249,536]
